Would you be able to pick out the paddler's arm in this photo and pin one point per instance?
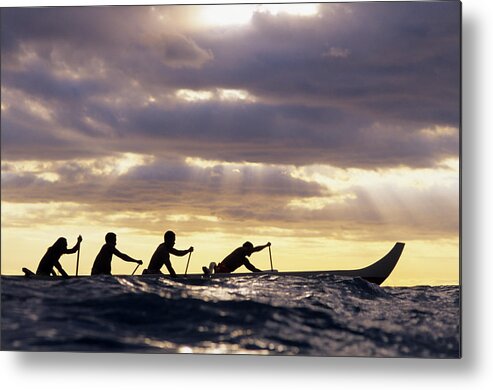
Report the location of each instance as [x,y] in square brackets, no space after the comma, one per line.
[260,247]
[175,252]
[76,246]
[250,266]
[180,253]
[125,257]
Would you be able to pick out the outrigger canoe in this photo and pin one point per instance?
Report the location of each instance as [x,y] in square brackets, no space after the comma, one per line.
[375,273]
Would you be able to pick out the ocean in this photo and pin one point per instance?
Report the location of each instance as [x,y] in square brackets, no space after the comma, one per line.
[322,315]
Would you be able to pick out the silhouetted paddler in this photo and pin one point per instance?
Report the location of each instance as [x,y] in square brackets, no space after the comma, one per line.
[236,259]
[52,256]
[102,263]
[161,255]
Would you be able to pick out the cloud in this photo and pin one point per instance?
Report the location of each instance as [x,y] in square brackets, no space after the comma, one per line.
[131,111]
[139,184]
[119,91]
[337,52]
[256,132]
[180,51]
[220,195]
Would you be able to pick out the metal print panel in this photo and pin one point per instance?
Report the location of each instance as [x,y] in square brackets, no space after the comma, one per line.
[267,179]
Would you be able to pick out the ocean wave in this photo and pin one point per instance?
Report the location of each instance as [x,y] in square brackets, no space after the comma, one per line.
[318,316]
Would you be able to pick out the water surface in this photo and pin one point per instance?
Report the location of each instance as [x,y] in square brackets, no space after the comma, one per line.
[268,315]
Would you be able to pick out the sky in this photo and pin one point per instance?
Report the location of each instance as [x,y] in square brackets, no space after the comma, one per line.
[330,130]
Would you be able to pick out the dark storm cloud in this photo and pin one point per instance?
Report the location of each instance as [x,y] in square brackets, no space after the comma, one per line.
[286,134]
[399,73]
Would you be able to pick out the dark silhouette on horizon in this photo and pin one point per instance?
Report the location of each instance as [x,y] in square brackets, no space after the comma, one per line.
[236,259]
[102,263]
[161,255]
[51,259]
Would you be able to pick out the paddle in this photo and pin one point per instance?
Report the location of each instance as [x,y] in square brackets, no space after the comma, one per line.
[138,265]
[77,266]
[186,269]
[270,256]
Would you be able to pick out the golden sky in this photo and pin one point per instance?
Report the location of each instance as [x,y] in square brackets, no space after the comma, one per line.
[330,130]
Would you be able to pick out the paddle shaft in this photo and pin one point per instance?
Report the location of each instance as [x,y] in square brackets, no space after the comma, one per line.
[188,261]
[270,256]
[138,265]
[77,265]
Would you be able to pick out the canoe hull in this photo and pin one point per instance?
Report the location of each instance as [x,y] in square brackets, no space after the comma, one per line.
[376,273]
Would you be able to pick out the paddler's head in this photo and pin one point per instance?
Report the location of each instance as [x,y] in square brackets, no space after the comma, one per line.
[169,238]
[249,247]
[110,238]
[60,244]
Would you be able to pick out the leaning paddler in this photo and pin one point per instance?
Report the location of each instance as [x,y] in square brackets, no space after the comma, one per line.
[51,259]
[236,259]
[102,263]
[161,255]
